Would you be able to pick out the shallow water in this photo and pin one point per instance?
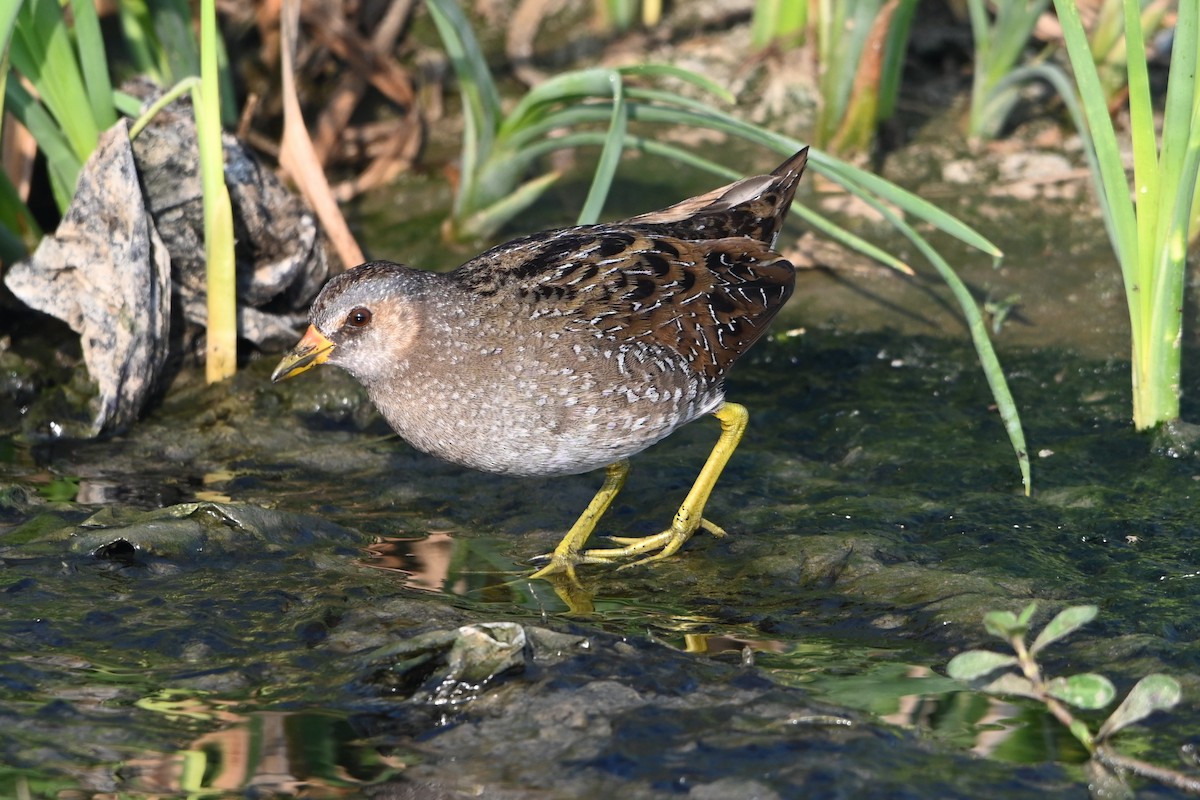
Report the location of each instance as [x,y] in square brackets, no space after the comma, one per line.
[224,600]
[874,514]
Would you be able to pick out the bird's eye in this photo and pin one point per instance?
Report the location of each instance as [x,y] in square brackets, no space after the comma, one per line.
[359,318]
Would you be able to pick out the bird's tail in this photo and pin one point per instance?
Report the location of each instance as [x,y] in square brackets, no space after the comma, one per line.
[754,207]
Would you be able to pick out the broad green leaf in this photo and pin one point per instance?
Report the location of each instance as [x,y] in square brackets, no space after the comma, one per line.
[1011,683]
[1064,623]
[1087,690]
[1152,693]
[975,664]
[1026,614]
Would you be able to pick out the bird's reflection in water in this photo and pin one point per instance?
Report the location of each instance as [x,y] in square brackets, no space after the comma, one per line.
[472,569]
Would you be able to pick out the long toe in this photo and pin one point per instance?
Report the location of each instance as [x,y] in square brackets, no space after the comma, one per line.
[554,565]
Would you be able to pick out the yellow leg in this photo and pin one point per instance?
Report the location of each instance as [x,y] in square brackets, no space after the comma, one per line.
[688,519]
[567,554]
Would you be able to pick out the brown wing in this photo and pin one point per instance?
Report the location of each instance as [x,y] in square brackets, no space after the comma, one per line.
[707,301]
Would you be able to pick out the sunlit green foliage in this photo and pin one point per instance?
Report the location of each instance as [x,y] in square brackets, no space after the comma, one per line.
[860,52]
[73,101]
[1000,40]
[1148,231]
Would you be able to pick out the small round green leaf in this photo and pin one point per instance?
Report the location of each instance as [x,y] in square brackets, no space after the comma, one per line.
[977,663]
[1087,690]
[1064,623]
[1014,684]
[1002,623]
[1152,693]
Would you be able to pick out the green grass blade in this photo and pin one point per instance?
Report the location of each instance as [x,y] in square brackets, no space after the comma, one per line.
[610,156]
[172,20]
[1168,208]
[567,118]
[486,222]
[188,84]
[468,56]
[8,24]
[865,184]
[41,50]
[983,344]
[839,234]
[1061,83]
[1179,108]
[136,30]
[221,287]
[687,158]
[1112,181]
[1170,270]
[893,60]
[480,98]
[763,23]
[561,89]
[685,75]
[93,61]
[1148,182]
[857,181]
[61,161]
[126,104]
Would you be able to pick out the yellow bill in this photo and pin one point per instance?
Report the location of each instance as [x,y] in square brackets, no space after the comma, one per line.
[312,349]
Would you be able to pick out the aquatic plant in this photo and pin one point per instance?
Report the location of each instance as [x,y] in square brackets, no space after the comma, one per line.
[1022,676]
[1000,42]
[220,358]
[1148,231]
[777,22]
[1106,40]
[860,52]
[73,102]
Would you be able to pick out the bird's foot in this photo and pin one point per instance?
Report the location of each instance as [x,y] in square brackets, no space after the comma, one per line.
[563,561]
[666,544]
